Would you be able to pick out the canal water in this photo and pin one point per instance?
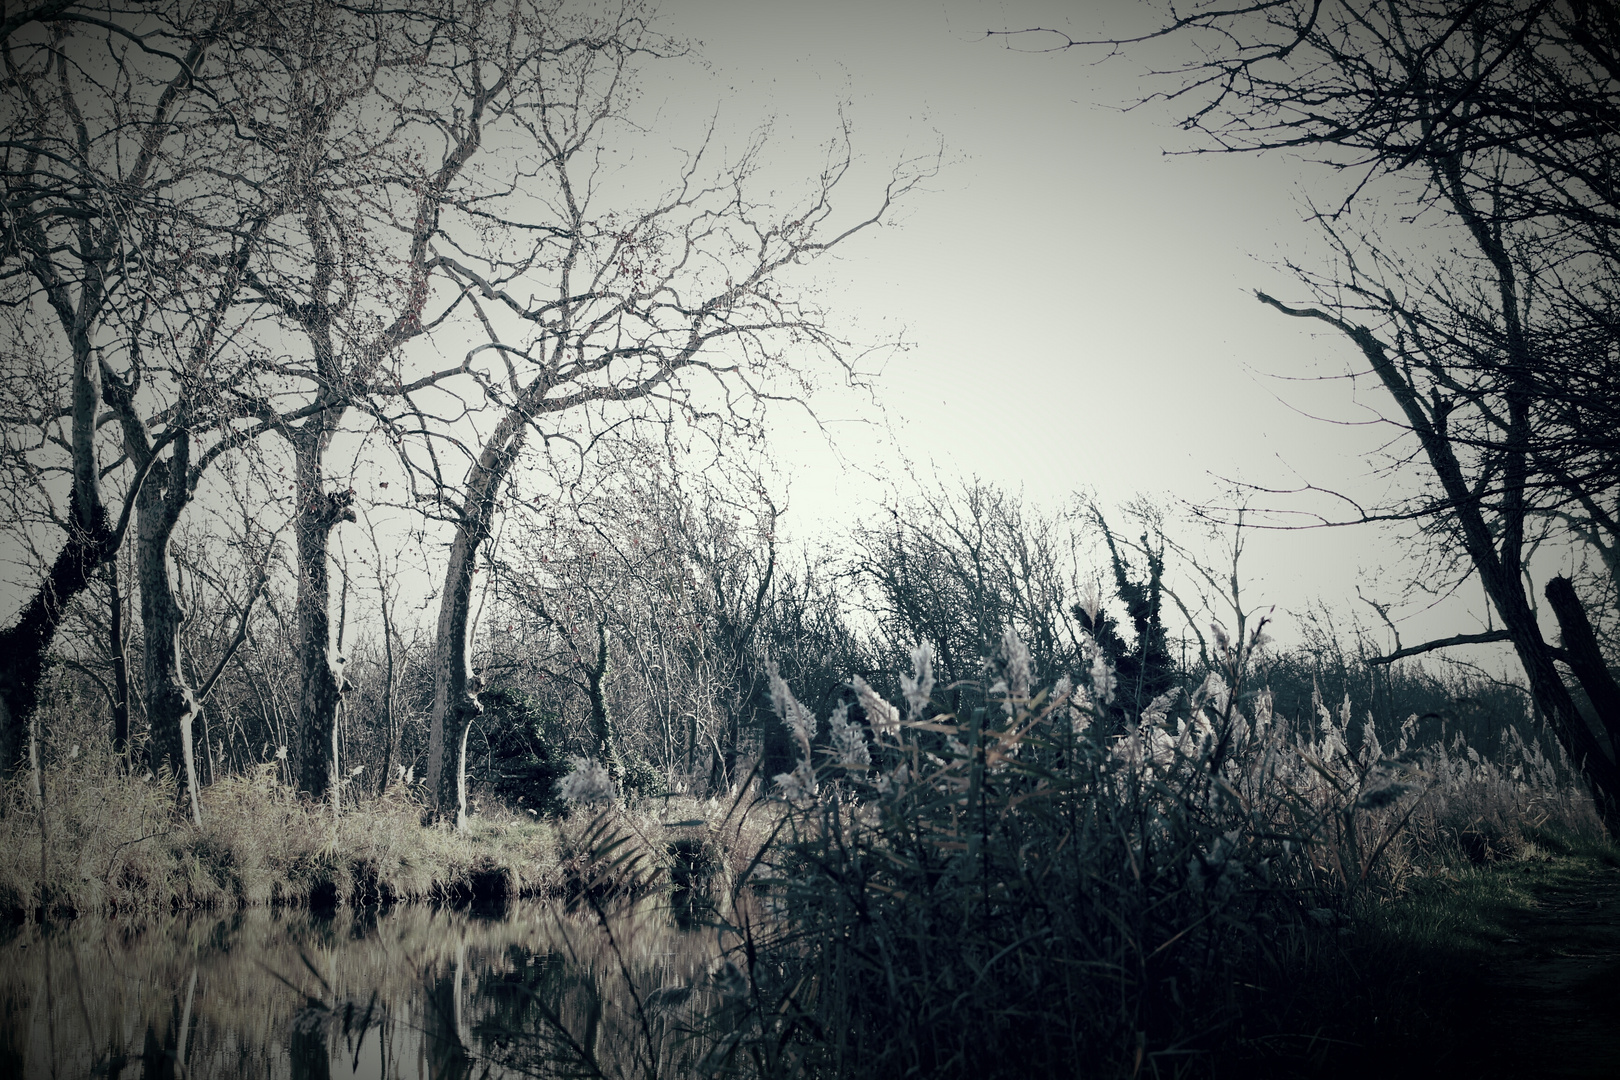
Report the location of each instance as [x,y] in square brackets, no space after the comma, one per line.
[415,991]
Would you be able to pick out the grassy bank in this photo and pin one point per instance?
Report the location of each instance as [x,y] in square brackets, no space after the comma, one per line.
[114,843]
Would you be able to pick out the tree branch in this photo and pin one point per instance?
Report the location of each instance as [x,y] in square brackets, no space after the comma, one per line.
[1442,643]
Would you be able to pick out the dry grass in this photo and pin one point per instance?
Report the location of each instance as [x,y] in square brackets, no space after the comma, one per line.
[119,843]
[114,843]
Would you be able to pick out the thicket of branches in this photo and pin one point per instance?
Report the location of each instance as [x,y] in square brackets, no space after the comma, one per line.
[633,624]
[273,255]
[274,252]
[1469,221]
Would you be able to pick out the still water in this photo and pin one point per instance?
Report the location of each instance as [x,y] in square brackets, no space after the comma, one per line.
[411,992]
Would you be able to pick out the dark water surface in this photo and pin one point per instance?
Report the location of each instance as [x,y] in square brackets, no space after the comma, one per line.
[411,992]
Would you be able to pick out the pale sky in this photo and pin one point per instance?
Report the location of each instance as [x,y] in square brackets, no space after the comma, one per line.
[1079,300]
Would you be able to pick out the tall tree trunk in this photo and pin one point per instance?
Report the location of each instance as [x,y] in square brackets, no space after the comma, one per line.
[120,661]
[76,288]
[24,644]
[607,740]
[171,707]
[90,542]
[320,674]
[1550,692]
[455,690]
[390,687]
[1500,566]
[1585,658]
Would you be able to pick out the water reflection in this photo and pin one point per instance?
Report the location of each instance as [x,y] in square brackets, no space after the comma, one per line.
[412,992]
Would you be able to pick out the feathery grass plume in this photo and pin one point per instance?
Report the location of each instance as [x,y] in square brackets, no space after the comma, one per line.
[849,741]
[1371,748]
[1091,602]
[1158,710]
[919,686]
[1409,730]
[1101,671]
[1012,668]
[1062,690]
[1073,704]
[800,784]
[588,784]
[798,719]
[883,717]
[1334,730]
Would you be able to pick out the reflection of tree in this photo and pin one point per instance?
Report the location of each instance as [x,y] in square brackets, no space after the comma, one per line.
[442,1045]
[307,1052]
[409,992]
[524,1012]
[157,1056]
[541,1012]
[165,1056]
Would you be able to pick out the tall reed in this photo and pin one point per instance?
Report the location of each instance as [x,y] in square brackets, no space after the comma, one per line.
[1000,890]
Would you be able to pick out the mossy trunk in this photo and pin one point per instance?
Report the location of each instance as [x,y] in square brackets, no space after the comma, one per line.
[602,726]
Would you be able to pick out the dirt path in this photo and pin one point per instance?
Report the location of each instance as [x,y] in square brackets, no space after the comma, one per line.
[1513,976]
[1555,990]
[1548,999]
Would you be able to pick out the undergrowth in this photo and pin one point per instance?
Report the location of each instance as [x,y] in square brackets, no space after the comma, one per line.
[981,882]
[1397,987]
[1005,889]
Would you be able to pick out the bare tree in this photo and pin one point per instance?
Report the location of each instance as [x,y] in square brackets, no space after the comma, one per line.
[1496,123]
[958,572]
[190,200]
[596,315]
[362,126]
[98,197]
[677,567]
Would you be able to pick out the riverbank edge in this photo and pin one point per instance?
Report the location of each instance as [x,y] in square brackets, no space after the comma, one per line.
[119,846]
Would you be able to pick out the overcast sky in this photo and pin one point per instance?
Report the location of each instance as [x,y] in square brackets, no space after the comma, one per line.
[1078,297]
